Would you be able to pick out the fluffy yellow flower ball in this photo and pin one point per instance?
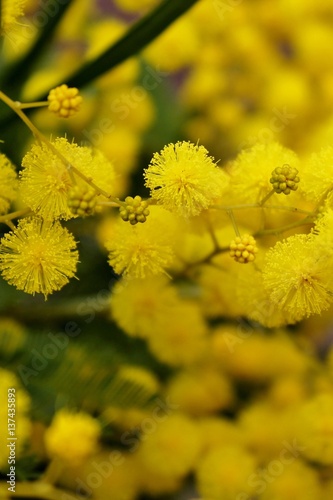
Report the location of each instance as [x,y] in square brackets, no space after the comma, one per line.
[224,472]
[136,305]
[173,448]
[144,249]
[295,480]
[297,276]
[72,437]
[8,184]
[200,391]
[184,179]
[45,181]
[181,338]
[38,257]
[250,172]
[315,429]
[12,337]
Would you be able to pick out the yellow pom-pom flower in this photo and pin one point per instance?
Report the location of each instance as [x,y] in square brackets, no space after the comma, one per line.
[173,448]
[263,440]
[12,337]
[296,480]
[184,54]
[138,304]
[252,169]
[46,182]
[219,431]
[243,249]
[315,429]
[142,250]
[184,179]
[224,472]
[296,276]
[8,184]
[72,437]
[243,355]
[317,174]
[64,101]
[255,303]
[38,257]
[181,338]
[200,391]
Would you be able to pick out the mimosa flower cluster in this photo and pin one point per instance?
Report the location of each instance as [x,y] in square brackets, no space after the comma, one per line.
[200,175]
[62,180]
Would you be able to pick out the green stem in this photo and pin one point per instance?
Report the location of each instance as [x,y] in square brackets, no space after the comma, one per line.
[15,215]
[28,105]
[15,106]
[257,205]
[263,201]
[52,472]
[233,222]
[283,229]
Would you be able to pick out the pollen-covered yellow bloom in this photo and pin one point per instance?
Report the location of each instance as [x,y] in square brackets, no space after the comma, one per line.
[201,390]
[184,53]
[38,257]
[297,275]
[251,171]
[46,182]
[8,184]
[138,304]
[224,472]
[145,249]
[180,339]
[317,174]
[297,480]
[173,448]
[315,429]
[72,437]
[184,179]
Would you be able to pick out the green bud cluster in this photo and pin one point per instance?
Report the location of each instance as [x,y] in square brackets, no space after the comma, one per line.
[82,200]
[284,179]
[135,211]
